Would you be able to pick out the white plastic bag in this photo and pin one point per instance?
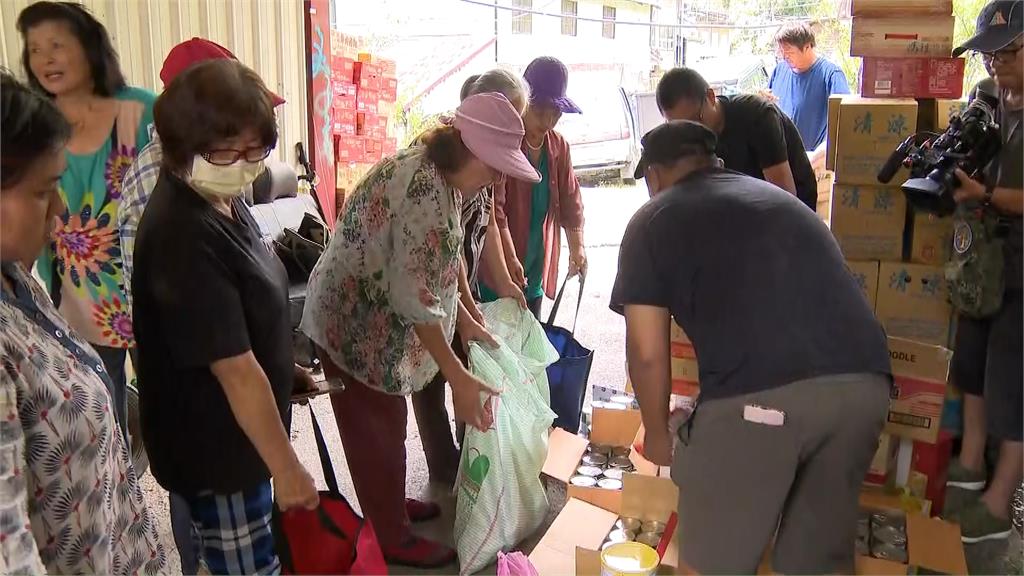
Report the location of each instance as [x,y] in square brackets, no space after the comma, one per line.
[500,500]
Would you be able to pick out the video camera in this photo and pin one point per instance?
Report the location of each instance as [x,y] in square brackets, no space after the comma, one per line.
[970,143]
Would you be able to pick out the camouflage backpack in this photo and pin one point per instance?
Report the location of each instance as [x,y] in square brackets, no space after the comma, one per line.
[975,273]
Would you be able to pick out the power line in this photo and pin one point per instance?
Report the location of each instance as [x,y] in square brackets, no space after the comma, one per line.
[523,11]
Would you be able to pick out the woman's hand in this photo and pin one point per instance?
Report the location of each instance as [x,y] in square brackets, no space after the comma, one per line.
[969,190]
[510,290]
[473,331]
[516,271]
[295,489]
[577,261]
[303,381]
[466,392]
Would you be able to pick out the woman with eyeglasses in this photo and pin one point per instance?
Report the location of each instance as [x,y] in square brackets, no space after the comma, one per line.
[987,361]
[210,309]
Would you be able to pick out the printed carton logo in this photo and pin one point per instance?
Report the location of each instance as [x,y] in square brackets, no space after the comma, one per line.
[851,197]
[899,280]
[883,200]
[930,285]
[862,281]
[898,125]
[862,124]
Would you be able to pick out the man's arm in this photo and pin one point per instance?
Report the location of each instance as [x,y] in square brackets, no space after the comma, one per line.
[649,360]
[1009,201]
[782,176]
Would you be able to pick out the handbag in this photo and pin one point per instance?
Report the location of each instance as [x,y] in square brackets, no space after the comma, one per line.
[300,250]
[332,539]
[975,274]
[567,378]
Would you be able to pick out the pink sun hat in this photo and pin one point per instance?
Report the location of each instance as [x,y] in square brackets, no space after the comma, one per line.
[493,131]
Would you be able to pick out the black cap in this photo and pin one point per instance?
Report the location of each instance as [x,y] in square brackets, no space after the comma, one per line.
[673,140]
[998,25]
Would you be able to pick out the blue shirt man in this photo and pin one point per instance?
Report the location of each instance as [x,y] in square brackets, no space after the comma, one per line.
[803,82]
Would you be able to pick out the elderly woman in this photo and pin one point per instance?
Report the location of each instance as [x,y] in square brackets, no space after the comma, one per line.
[482,244]
[210,310]
[531,214]
[64,465]
[69,57]
[383,305]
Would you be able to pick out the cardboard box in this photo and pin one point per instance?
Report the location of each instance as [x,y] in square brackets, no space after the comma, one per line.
[685,370]
[934,115]
[930,239]
[912,78]
[921,373]
[909,7]
[344,96]
[349,149]
[344,122]
[920,36]
[865,274]
[343,69]
[367,100]
[608,427]
[825,181]
[932,462]
[573,541]
[933,546]
[868,221]
[389,88]
[868,130]
[913,302]
[831,138]
[367,76]
[884,462]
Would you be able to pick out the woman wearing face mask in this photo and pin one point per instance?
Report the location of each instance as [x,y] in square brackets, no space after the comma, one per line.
[210,308]
[69,57]
[531,215]
[383,305]
[65,473]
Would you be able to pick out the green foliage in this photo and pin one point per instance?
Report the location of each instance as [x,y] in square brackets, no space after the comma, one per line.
[966,12]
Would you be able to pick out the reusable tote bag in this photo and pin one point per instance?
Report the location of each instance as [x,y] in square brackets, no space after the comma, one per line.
[568,377]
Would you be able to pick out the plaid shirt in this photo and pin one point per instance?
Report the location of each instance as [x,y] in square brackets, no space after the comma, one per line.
[139,181]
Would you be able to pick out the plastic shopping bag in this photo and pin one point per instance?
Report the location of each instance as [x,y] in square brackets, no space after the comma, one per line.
[500,500]
[515,564]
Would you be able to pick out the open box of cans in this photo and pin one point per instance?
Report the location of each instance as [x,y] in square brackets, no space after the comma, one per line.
[593,471]
[893,540]
[574,541]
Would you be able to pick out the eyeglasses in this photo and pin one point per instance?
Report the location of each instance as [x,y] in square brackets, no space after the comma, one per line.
[228,157]
[1004,56]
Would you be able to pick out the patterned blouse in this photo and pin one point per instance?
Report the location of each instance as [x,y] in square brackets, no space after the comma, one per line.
[393,263]
[85,506]
[87,262]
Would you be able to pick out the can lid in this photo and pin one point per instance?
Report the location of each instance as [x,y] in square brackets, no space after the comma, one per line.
[630,558]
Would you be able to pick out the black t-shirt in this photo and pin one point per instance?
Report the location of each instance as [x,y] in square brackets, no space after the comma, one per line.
[758,135]
[205,287]
[756,281]
[1010,166]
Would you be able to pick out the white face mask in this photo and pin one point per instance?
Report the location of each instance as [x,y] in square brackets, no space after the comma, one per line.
[223,181]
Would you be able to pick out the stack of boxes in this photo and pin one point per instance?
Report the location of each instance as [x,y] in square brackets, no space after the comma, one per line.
[897,254]
[365,92]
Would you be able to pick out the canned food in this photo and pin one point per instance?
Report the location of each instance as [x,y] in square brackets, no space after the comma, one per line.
[879,519]
[595,459]
[621,536]
[599,449]
[592,471]
[583,481]
[609,484]
[651,539]
[890,535]
[861,548]
[620,462]
[864,527]
[621,452]
[623,399]
[653,526]
[891,553]
[631,524]
[629,559]
[614,473]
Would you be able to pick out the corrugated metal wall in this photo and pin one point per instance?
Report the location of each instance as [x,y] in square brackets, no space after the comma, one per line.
[267,35]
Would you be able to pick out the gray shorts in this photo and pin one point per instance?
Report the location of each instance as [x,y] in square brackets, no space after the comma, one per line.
[741,483]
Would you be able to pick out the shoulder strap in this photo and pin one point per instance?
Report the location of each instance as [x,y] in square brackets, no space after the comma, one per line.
[325,455]
[558,303]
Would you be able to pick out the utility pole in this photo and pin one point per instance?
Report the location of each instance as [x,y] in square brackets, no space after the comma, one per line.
[495,32]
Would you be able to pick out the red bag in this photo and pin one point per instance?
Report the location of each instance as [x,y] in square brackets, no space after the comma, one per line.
[332,539]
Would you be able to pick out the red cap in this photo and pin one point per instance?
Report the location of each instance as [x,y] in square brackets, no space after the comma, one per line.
[194,51]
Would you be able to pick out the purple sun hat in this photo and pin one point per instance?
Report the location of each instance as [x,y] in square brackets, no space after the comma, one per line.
[548,79]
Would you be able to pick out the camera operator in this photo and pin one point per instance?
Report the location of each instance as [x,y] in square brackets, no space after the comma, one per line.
[987,363]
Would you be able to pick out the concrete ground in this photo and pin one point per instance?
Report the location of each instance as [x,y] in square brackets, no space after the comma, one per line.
[607,210]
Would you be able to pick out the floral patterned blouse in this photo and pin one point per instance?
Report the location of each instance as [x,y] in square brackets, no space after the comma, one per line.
[88,249]
[393,263]
[85,506]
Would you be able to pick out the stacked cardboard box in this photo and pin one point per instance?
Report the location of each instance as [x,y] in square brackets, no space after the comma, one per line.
[906,45]
[365,92]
